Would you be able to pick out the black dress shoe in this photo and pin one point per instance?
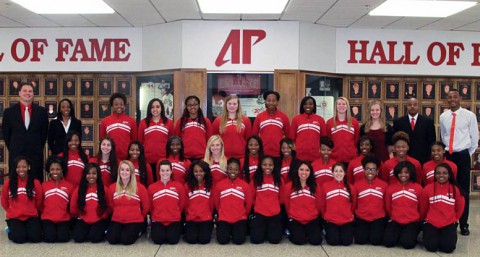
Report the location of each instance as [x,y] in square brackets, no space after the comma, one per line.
[464,231]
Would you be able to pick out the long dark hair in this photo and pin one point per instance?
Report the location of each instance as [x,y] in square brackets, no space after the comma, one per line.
[297,185]
[186,115]
[362,139]
[66,151]
[246,166]
[72,110]
[345,179]
[258,176]
[112,157]
[192,181]
[451,179]
[13,176]
[149,111]
[304,100]
[142,163]
[181,153]
[82,190]
[52,160]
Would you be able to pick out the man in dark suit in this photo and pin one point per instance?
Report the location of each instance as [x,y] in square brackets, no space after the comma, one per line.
[422,136]
[25,128]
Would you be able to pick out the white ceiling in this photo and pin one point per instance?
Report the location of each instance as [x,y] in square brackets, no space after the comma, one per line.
[333,13]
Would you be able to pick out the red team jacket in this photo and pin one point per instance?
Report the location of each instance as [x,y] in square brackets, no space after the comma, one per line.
[133,210]
[336,206]
[149,174]
[75,167]
[217,173]
[194,136]
[323,171]
[370,199]
[105,171]
[266,197]
[271,129]
[154,139]
[167,201]
[199,204]
[233,140]
[301,205]
[402,203]
[306,131]
[122,129]
[344,138]
[233,200]
[22,207]
[56,199]
[386,170]
[252,165]
[428,171]
[90,214]
[179,168]
[438,206]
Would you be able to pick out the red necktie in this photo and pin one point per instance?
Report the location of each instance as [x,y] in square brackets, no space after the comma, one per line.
[452,133]
[412,123]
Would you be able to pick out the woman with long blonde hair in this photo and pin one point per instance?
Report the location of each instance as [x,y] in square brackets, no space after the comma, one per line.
[233,127]
[215,157]
[376,128]
[344,131]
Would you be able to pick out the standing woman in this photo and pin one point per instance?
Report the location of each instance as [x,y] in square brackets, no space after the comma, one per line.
[22,200]
[59,127]
[91,206]
[301,197]
[338,200]
[344,131]
[380,131]
[199,205]
[107,160]
[73,158]
[265,224]
[307,129]
[167,199]
[57,193]
[175,154]
[215,157]
[153,133]
[193,128]
[441,206]
[233,127]
[130,204]
[119,126]
[402,206]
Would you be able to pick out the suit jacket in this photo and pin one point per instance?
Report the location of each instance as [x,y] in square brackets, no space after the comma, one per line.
[421,138]
[21,141]
[57,135]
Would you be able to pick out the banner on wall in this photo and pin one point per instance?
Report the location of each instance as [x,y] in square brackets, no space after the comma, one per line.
[71,49]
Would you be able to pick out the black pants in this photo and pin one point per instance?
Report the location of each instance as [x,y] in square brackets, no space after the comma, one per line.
[404,235]
[369,231]
[305,233]
[123,233]
[463,162]
[440,239]
[338,234]
[154,171]
[265,228]
[169,234]
[25,231]
[56,232]
[198,232]
[94,233]
[236,231]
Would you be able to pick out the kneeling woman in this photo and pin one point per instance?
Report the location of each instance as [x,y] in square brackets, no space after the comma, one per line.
[441,206]
[91,206]
[302,202]
[167,199]
[233,202]
[130,206]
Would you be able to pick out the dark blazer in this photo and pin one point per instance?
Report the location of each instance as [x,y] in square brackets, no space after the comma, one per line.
[421,138]
[57,135]
[21,141]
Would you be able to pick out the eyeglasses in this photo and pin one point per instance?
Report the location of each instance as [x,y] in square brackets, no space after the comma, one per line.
[371,169]
[192,106]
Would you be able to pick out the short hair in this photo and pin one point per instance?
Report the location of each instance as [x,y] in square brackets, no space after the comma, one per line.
[117,95]
[327,141]
[24,83]
[370,158]
[270,92]
[410,168]
[399,136]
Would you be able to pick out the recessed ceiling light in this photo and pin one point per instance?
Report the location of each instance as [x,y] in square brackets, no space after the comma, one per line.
[242,6]
[421,8]
[65,6]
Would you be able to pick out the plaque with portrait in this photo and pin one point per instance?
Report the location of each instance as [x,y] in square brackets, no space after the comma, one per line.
[428,90]
[477,112]
[410,90]
[356,89]
[104,109]
[35,82]
[392,88]
[69,86]
[465,90]
[2,86]
[86,87]
[477,90]
[391,111]
[123,86]
[51,86]
[445,88]
[88,150]
[429,111]
[105,86]
[443,108]
[2,155]
[2,108]
[374,89]
[87,132]
[51,109]
[14,87]
[86,109]
[475,175]
[356,111]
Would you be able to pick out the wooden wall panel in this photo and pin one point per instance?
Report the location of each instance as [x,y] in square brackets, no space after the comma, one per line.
[291,92]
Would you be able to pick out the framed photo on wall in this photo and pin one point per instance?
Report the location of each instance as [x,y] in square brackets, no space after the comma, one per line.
[68,86]
[477,112]
[2,108]
[464,89]
[86,109]
[86,87]
[445,88]
[105,86]
[356,89]
[443,108]
[51,108]
[51,86]
[35,82]
[104,109]
[392,88]
[477,90]
[14,86]
[87,132]
[356,111]
[391,111]
[2,86]
[2,154]
[374,89]
[475,180]
[124,86]
[428,90]
[410,89]
[429,111]
[88,150]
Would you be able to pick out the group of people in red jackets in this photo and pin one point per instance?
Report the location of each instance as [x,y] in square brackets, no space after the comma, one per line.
[265,180]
